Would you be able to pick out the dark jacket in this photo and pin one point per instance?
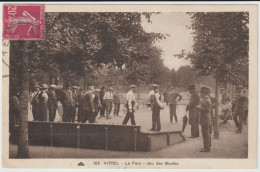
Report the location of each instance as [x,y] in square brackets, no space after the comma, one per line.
[116,98]
[66,99]
[88,103]
[80,101]
[191,107]
[205,118]
[52,100]
[101,95]
[96,102]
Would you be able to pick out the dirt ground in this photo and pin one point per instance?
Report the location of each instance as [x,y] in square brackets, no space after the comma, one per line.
[229,145]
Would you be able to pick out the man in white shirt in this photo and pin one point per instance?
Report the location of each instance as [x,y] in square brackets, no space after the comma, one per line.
[157,106]
[151,96]
[130,102]
[108,98]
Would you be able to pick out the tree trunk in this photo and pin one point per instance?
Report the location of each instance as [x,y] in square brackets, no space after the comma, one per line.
[216,132]
[23,149]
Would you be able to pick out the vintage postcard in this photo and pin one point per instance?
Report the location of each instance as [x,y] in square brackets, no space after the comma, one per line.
[129,86]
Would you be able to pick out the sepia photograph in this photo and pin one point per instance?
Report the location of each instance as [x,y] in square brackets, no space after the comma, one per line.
[128,85]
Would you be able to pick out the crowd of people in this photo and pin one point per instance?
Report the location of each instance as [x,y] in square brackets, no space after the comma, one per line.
[77,105]
[202,110]
[83,106]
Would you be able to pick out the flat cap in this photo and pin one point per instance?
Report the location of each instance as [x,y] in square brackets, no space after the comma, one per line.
[36,86]
[132,86]
[191,87]
[208,91]
[91,87]
[154,85]
[97,89]
[53,86]
[204,90]
[74,87]
[110,88]
[44,86]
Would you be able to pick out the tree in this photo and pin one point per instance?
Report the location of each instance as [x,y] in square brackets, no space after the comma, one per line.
[23,150]
[220,48]
[76,44]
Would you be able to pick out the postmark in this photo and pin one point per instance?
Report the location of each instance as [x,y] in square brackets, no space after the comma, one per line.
[23,22]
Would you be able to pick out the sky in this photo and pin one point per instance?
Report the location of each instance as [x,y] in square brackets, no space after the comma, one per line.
[180,38]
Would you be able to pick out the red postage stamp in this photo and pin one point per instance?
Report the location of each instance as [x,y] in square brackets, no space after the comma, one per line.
[23,22]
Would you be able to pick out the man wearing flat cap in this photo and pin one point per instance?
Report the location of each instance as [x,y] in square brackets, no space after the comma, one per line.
[157,106]
[102,101]
[43,99]
[116,103]
[108,98]
[52,102]
[80,102]
[130,102]
[205,118]
[193,112]
[75,103]
[240,108]
[35,103]
[97,103]
[66,100]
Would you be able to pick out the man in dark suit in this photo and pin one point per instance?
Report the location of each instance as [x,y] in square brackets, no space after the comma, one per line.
[35,103]
[97,103]
[52,102]
[66,100]
[240,108]
[80,104]
[212,99]
[88,106]
[43,107]
[116,103]
[193,112]
[102,101]
[205,118]
[74,103]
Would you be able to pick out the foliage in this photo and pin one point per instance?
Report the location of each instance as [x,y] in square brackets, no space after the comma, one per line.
[81,44]
[221,44]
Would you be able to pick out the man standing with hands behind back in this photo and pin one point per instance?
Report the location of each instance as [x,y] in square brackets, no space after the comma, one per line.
[205,118]
[173,95]
[193,112]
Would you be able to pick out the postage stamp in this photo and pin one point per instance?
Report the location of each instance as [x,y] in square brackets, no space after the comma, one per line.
[23,22]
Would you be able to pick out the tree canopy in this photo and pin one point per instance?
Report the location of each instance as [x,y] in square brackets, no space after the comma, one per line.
[76,44]
[221,45]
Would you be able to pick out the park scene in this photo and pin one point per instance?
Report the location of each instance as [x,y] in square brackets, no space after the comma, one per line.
[131,84]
